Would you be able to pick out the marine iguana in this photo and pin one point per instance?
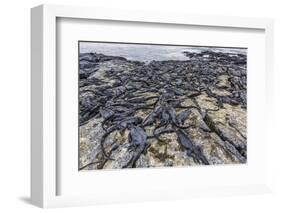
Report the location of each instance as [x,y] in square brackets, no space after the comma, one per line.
[192,150]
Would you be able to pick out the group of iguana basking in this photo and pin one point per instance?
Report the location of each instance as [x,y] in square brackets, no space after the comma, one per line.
[160,87]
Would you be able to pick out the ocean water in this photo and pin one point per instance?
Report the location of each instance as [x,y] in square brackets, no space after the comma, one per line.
[147,53]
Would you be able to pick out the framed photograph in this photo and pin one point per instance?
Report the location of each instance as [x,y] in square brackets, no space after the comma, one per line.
[129,106]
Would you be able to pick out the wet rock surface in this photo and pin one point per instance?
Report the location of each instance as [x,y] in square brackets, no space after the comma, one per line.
[162,113]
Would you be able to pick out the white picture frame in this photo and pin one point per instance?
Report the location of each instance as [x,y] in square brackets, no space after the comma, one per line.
[44,155]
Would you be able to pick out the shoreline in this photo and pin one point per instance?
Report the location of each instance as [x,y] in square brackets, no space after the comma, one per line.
[147,53]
